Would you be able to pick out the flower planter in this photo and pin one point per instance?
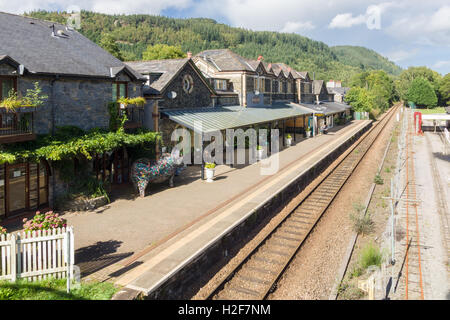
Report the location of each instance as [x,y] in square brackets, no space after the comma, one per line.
[259,154]
[209,175]
[308,134]
[288,142]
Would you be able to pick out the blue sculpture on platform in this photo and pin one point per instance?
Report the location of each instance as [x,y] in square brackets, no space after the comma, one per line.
[145,171]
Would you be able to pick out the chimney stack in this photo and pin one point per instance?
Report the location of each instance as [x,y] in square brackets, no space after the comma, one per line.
[260,58]
[189,55]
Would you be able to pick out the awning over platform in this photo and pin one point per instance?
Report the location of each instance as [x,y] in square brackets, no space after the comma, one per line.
[221,118]
[327,108]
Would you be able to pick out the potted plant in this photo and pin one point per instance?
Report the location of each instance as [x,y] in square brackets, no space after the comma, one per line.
[210,168]
[259,152]
[288,140]
[308,132]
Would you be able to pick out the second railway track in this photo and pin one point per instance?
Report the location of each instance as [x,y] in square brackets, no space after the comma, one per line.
[257,274]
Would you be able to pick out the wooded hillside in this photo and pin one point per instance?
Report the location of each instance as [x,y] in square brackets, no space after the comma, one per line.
[133,33]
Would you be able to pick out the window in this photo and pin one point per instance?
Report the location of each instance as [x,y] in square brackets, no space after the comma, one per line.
[119,90]
[6,85]
[220,84]
[188,83]
[268,84]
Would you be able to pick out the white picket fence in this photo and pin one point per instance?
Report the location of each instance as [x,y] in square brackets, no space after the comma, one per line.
[38,255]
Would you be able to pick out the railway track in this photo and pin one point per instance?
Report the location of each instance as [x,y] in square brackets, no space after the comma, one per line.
[257,274]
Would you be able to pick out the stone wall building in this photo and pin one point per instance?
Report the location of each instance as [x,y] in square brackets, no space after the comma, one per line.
[79,78]
[173,84]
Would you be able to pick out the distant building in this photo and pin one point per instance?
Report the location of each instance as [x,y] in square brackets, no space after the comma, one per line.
[335,87]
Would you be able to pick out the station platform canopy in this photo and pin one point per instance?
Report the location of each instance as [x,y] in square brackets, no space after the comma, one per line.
[233,117]
[327,108]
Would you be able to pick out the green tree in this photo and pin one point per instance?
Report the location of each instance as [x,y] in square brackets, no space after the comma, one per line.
[444,89]
[163,51]
[421,92]
[108,43]
[407,76]
[360,99]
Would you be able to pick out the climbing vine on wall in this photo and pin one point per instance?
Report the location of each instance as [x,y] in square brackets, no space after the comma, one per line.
[70,142]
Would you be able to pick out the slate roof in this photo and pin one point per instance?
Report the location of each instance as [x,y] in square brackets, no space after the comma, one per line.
[317,86]
[167,68]
[327,108]
[225,60]
[30,42]
[285,68]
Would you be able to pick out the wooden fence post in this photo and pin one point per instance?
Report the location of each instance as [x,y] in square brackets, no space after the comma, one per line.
[13,258]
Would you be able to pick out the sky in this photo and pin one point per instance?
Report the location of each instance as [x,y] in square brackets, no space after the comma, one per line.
[408,32]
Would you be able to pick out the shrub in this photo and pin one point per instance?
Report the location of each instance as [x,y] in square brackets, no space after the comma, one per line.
[288,136]
[362,224]
[259,148]
[2,230]
[43,221]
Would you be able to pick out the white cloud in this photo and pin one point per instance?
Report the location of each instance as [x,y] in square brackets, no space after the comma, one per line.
[372,17]
[292,27]
[401,55]
[346,20]
[428,28]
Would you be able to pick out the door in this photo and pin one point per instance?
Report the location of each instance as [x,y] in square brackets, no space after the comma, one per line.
[17,180]
[23,187]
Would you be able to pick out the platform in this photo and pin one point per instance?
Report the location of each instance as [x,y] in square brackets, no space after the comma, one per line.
[215,209]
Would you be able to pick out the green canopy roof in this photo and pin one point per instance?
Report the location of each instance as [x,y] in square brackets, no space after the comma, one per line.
[221,118]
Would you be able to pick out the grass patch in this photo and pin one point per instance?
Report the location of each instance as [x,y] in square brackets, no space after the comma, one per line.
[55,289]
[370,255]
[378,180]
[387,170]
[349,291]
[432,111]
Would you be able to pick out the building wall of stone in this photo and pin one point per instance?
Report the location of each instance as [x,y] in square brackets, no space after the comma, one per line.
[228,101]
[75,102]
[7,70]
[250,84]
[167,127]
[200,96]
[308,98]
